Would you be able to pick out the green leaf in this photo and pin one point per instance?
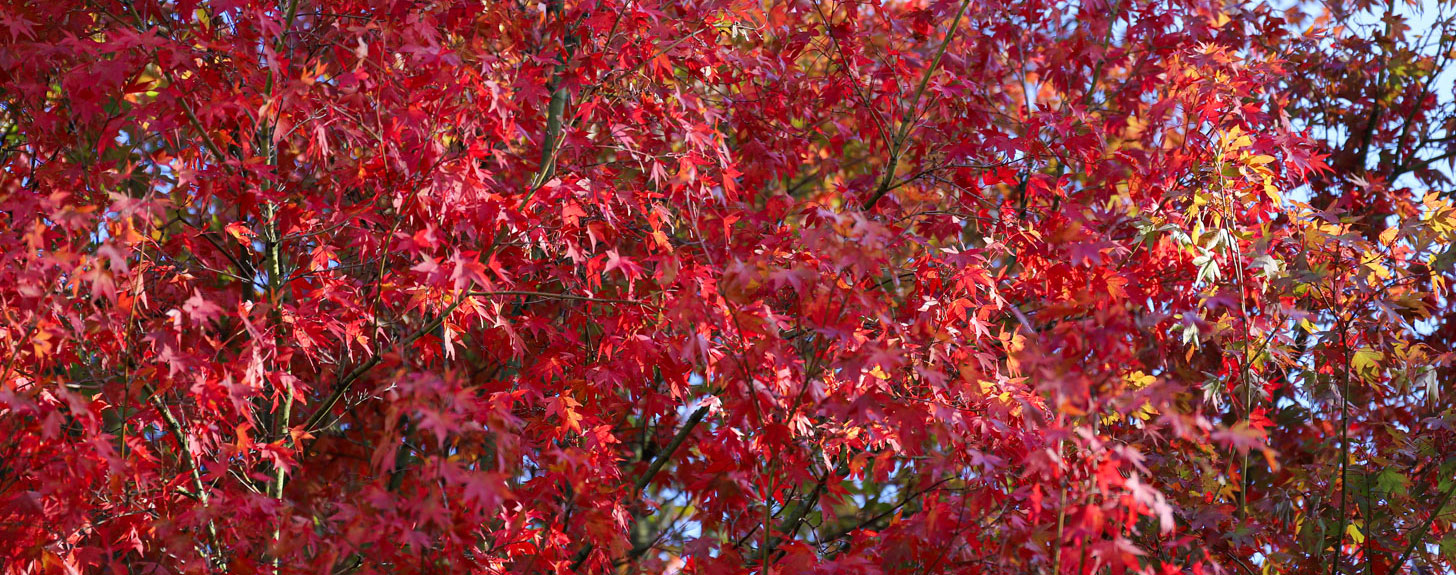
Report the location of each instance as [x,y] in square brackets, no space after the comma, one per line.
[1366,359]
[1391,481]
[1448,547]
[1446,260]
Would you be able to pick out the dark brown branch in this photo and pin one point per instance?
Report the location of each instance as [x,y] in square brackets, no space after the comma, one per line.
[886,513]
[790,524]
[559,296]
[652,470]
[363,368]
[677,441]
[1420,532]
[897,145]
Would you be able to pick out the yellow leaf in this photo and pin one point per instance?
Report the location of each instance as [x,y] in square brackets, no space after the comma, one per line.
[1272,191]
[1366,358]
[1380,270]
[1139,380]
[1146,412]
[1261,159]
[1388,236]
[1355,534]
[1433,202]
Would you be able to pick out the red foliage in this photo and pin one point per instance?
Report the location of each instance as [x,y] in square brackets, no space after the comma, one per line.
[635,286]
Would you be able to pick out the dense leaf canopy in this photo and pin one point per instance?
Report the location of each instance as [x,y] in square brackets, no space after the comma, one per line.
[726,286]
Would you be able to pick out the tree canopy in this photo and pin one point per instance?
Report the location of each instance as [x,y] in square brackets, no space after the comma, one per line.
[727,286]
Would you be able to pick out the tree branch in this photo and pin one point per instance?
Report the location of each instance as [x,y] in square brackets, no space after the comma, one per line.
[790,524]
[1420,532]
[667,453]
[174,427]
[348,380]
[559,296]
[896,146]
[886,513]
[656,466]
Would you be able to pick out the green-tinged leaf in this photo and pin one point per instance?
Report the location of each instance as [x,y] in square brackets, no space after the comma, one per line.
[1365,360]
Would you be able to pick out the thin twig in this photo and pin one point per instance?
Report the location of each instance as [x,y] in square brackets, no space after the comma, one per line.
[358,372]
[896,146]
[652,470]
[1420,532]
[559,296]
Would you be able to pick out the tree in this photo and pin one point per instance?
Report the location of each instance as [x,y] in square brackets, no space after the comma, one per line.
[716,286]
